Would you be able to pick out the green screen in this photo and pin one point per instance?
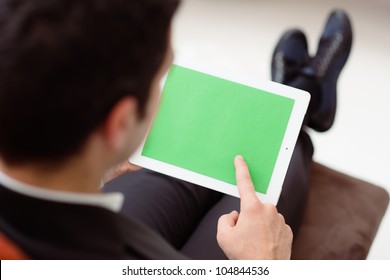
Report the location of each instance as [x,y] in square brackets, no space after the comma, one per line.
[204,121]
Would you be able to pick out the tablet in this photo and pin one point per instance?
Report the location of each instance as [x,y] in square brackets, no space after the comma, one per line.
[206,117]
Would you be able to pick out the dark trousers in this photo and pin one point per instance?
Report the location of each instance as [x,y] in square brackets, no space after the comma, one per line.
[186,215]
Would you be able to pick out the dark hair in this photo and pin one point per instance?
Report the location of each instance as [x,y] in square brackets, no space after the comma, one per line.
[65,63]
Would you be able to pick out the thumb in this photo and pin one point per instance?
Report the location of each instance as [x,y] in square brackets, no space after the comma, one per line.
[228,220]
[226,224]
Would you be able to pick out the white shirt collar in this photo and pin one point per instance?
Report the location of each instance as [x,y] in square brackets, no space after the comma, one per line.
[110,201]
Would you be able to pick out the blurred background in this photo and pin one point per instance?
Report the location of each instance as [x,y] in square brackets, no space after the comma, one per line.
[239,35]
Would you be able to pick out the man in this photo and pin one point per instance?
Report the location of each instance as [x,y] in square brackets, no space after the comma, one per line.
[78,88]
[187,216]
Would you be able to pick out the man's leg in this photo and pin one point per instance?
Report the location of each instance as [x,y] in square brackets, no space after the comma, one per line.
[171,207]
[293,198]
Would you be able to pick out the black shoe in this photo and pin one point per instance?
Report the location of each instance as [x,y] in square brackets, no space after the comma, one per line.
[333,51]
[289,56]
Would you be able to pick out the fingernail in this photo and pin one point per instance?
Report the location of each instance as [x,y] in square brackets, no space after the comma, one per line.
[240,157]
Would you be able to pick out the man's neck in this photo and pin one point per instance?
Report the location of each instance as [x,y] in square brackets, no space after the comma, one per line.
[75,175]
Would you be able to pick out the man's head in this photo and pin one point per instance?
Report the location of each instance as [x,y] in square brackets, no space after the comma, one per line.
[65,65]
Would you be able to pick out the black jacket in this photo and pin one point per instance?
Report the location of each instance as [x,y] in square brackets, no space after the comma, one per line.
[51,230]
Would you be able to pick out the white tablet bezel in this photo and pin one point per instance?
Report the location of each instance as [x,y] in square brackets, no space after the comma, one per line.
[301,103]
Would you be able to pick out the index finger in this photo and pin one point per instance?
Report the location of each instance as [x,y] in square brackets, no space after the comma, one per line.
[244,183]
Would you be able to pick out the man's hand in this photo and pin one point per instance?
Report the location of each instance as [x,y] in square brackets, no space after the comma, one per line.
[258,231]
[122,168]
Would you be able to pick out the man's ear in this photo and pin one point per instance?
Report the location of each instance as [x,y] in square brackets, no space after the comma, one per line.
[119,123]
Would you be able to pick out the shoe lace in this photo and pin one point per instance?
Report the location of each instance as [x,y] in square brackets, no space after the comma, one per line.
[279,64]
[326,52]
